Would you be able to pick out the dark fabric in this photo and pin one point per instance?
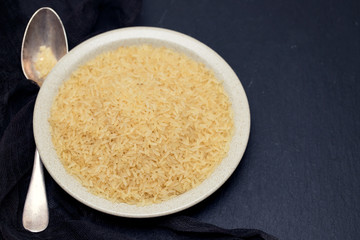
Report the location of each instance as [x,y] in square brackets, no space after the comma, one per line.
[69,219]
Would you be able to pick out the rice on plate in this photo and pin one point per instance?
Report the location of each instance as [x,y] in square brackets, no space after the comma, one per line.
[141,124]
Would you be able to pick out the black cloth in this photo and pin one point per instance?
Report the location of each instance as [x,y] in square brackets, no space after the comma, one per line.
[69,219]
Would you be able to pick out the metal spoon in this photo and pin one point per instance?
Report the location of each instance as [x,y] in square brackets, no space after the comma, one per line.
[44,29]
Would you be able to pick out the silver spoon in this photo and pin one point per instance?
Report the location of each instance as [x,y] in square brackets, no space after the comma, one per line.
[44,29]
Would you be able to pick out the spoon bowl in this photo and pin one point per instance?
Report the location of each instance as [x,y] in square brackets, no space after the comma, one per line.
[44,29]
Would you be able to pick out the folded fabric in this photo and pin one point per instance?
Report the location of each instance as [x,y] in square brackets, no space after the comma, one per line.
[69,219]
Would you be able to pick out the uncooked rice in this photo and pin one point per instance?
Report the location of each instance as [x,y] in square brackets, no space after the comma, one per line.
[45,61]
[141,124]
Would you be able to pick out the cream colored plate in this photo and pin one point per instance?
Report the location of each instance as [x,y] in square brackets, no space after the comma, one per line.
[131,36]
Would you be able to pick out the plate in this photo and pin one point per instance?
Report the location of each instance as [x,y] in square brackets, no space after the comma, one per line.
[135,36]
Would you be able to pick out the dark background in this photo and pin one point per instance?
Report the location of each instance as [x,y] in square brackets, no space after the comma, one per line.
[299,63]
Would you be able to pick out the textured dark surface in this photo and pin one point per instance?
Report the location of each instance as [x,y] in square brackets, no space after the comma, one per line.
[299,63]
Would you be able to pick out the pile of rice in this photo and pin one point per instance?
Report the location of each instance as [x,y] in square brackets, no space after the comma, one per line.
[45,61]
[141,124]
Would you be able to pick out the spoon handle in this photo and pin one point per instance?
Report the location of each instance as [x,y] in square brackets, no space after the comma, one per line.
[36,214]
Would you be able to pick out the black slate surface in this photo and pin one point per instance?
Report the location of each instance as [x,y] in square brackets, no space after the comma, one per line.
[299,63]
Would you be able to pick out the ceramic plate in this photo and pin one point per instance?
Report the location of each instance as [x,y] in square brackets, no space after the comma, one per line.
[134,36]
